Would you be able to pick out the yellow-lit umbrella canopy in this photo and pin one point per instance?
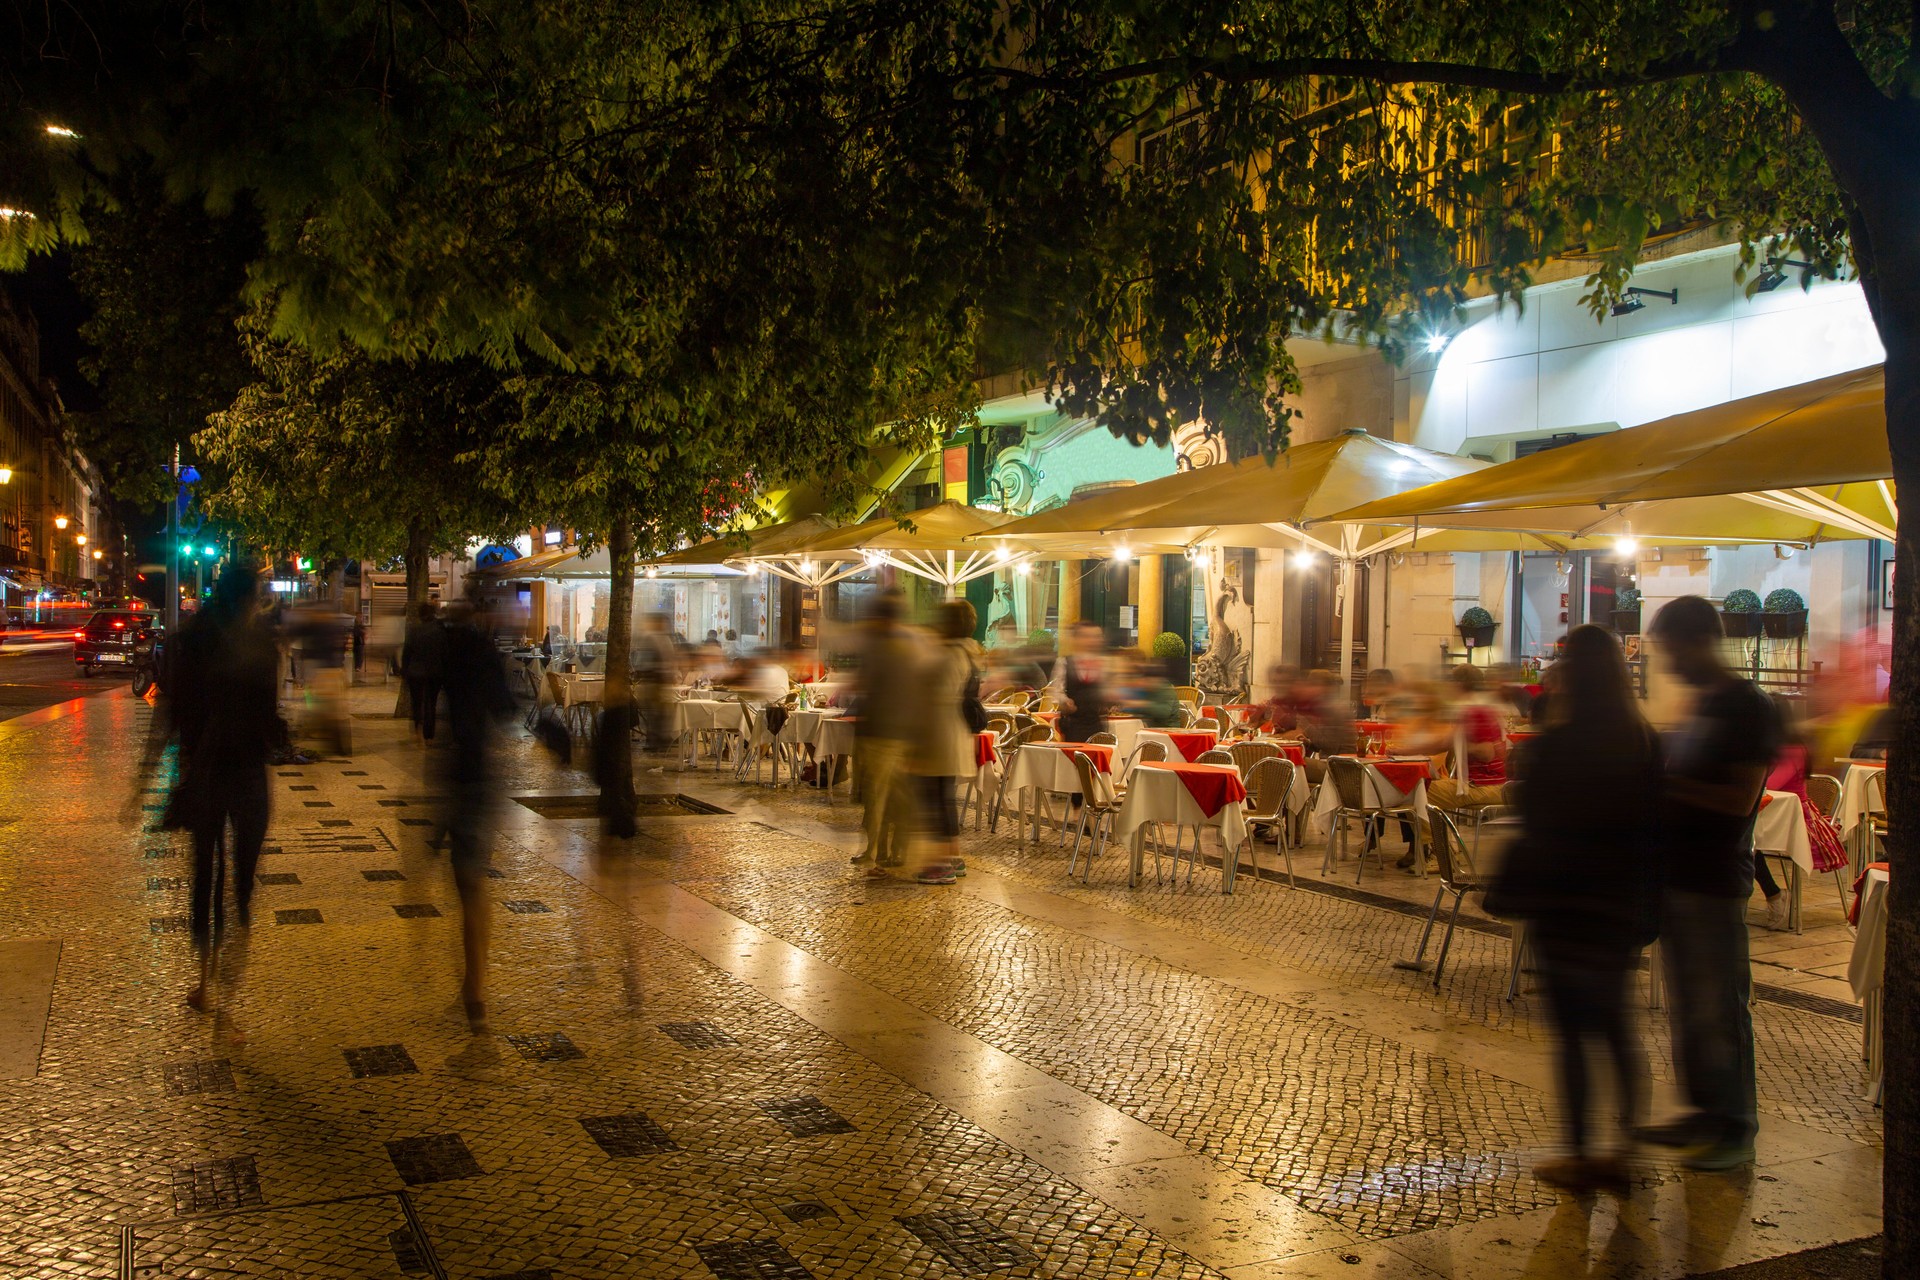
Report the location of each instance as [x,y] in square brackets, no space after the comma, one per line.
[941,542]
[769,539]
[1801,464]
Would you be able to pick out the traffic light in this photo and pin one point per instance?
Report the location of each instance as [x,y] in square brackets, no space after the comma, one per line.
[306,564]
[210,552]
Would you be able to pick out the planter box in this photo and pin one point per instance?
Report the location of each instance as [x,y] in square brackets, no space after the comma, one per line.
[1785,626]
[1741,626]
[1478,637]
[1626,622]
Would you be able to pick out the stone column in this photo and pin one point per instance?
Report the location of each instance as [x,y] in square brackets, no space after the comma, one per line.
[1151,602]
[1069,610]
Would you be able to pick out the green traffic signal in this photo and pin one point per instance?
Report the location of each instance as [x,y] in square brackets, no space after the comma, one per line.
[210,552]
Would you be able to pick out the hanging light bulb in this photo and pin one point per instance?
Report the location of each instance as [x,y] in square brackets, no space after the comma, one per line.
[1123,554]
[1627,546]
[1023,568]
[1200,559]
[1002,554]
[1304,558]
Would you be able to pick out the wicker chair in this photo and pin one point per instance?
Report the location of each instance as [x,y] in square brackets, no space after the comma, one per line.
[1349,779]
[1215,756]
[1001,727]
[1823,789]
[1096,809]
[1248,754]
[1221,720]
[1143,751]
[1269,783]
[1103,738]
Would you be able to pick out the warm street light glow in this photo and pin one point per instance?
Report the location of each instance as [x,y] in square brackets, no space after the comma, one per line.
[1626,546]
[1303,558]
[1002,554]
[1200,559]
[60,522]
[1437,342]
[1123,554]
[1023,568]
[8,211]
[6,475]
[81,539]
[97,553]
[806,566]
[61,131]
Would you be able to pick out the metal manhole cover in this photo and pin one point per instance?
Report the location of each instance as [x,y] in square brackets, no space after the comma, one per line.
[298,915]
[751,1260]
[184,1078]
[806,1117]
[634,1134]
[380,1060]
[967,1242]
[383,873]
[697,1035]
[657,804]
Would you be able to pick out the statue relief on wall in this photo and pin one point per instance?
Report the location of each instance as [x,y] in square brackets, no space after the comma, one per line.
[1223,673]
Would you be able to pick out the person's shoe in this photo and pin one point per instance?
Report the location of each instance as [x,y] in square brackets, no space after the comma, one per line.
[1611,1174]
[197,999]
[476,1017]
[1569,1173]
[936,875]
[1687,1131]
[877,873]
[1778,911]
[1721,1157]
[1406,860]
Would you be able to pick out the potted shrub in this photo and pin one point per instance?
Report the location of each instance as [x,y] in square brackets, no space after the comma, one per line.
[1626,611]
[1171,651]
[1476,628]
[1785,614]
[1740,614]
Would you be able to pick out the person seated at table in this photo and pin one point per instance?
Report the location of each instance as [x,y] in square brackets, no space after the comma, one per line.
[1480,739]
[763,680]
[1790,775]
[1279,714]
[1323,720]
[1154,700]
[1380,696]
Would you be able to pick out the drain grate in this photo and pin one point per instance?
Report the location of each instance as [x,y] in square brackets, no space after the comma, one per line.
[392,804]
[806,1211]
[751,1260]
[383,874]
[546,1046]
[318,804]
[298,915]
[633,1134]
[159,884]
[527,907]
[806,1117]
[278,877]
[336,822]
[436,1157]
[373,786]
[697,1035]
[416,911]
[658,804]
[380,1060]
[214,1185]
[183,1078]
[408,1255]
[967,1242]
[305,786]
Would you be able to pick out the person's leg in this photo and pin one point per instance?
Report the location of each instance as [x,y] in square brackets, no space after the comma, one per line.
[1763,876]
[877,761]
[415,691]
[251,809]
[1570,1003]
[467,831]
[1709,982]
[203,910]
[1614,1021]
[429,707]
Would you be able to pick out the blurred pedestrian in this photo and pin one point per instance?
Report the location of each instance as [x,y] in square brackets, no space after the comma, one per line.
[1717,765]
[945,751]
[889,701]
[1585,877]
[1479,748]
[655,661]
[422,665]
[225,669]
[478,700]
[1081,684]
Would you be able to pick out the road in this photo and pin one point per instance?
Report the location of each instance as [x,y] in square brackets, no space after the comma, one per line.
[37,672]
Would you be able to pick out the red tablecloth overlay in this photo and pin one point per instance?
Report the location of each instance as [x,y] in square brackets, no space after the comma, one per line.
[1401,775]
[984,751]
[1193,742]
[1099,752]
[1212,786]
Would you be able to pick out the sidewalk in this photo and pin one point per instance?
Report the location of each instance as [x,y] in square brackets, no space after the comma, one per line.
[715,1051]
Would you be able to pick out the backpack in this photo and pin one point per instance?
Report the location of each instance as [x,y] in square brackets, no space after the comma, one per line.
[972,710]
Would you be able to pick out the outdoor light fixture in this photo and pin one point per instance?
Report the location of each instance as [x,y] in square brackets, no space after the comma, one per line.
[8,211]
[60,522]
[806,566]
[98,554]
[653,571]
[1023,568]
[1304,558]
[61,131]
[1626,546]
[6,475]
[81,539]
[1200,559]
[1123,554]
[1437,342]
[1772,277]
[1002,554]
[1632,302]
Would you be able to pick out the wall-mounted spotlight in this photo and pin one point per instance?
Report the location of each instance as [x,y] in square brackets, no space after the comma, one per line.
[1632,301]
[1772,277]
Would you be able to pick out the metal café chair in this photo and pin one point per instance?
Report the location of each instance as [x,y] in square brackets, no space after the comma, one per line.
[1248,754]
[1142,751]
[1038,731]
[1269,783]
[1358,799]
[1097,808]
[1823,790]
[1216,756]
[1459,877]
[1103,738]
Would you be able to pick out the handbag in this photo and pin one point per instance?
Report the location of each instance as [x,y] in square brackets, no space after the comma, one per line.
[972,710]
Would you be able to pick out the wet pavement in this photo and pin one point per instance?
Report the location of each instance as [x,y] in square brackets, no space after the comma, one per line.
[716,1052]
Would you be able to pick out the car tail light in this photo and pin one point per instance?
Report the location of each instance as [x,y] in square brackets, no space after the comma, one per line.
[79,635]
[118,625]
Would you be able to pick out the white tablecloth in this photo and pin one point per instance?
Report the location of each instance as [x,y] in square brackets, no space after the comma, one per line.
[803,727]
[1781,828]
[698,715]
[833,736]
[1867,970]
[1037,766]
[1158,795]
[1126,731]
[578,690]
[1173,753]
[1862,791]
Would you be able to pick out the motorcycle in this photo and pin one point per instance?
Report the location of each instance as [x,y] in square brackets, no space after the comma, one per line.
[146,667]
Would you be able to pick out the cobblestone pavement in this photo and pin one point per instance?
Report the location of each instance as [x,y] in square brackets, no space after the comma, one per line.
[715,1052]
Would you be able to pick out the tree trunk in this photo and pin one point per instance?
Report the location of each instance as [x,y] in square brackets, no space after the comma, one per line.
[1901,1026]
[614,749]
[419,583]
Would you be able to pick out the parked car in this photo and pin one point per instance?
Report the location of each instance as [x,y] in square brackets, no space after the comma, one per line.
[112,638]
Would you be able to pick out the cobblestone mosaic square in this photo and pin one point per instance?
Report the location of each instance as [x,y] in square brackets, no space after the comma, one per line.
[304,787]
[161,884]
[161,853]
[167,924]
[393,804]
[968,1242]
[416,822]
[383,873]
[318,804]
[633,1134]
[277,877]
[373,786]
[526,907]
[353,773]
[806,1117]
[183,1078]
[437,1157]
[697,1035]
[213,1185]
[545,1046]
[380,1060]
[416,911]
[540,1274]
[751,1260]
[336,822]
[298,915]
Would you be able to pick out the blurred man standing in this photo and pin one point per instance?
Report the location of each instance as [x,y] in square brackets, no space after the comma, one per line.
[422,663]
[225,668]
[477,699]
[1717,766]
[1081,682]
[889,702]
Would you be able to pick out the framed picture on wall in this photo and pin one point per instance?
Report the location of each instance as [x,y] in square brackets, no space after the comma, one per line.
[1886,585]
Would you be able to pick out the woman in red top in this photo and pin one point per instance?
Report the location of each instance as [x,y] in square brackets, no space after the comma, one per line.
[1829,854]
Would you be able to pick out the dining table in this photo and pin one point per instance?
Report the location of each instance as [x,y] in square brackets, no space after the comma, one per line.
[1863,791]
[1047,767]
[1392,782]
[1183,795]
[1182,744]
[710,716]
[1867,973]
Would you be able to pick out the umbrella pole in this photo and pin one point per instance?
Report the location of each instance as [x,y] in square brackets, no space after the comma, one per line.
[1346,622]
